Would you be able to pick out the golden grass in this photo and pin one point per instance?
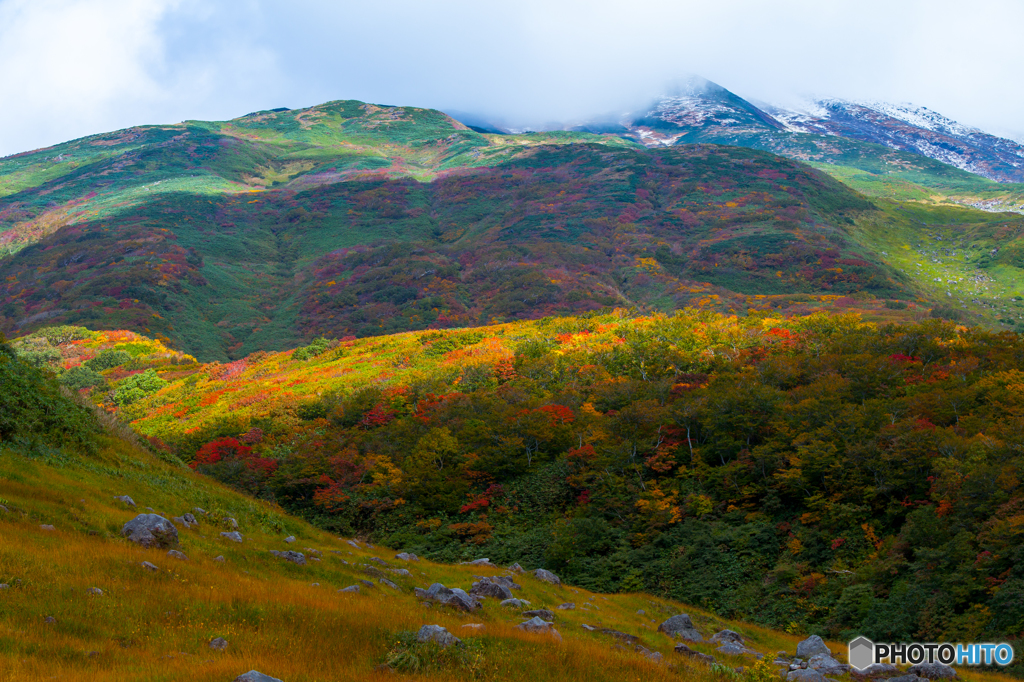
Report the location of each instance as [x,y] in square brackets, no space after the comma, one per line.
[156,625]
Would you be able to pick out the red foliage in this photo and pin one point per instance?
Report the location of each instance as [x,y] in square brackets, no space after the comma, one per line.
[558,414]
[837,543]
[380,415]
[483,500]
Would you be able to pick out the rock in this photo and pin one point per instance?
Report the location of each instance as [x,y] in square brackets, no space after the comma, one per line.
[473,626]
[295,557]
[407,556]
[684,650]
[218,644]
[547,576]
[648,654]
[933,671]
[515,603]
[622,636]
[151,530]
[537,624]
[231,523]
[724,636]
[365,582]
[388,583]
[478,562]
[379,561]
[401,571]
[733,649]
[149,567]
[4,586]
[354,543]
[314,584]
[449,596]
[127,501]
[568,606]
[350,588]
[906,678]
[50,620]
[290,539]
[175,554]
[827,665]
[199,510]
[488,588]
[256,676]
[219,558]
[46,526]
[588,628]
[641,612]
[95,590]
[438,634]
[180,520]
[504,580]
[516,568]
[539,613]
[190,519]
[810,646]
[877,670]
[233,535]
[681,627]
[804,675]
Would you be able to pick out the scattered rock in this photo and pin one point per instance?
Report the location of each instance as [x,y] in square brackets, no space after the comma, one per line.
[539,613]
[354,543]
[805,675]
[626,638]
[127,501]
[436,633]
[350,588]
[4,586]
[933,671]
[486,587]
[810,646]
[724,636]
[218,644]
[50,620]
[149,567]
[365,582]
[401,571]
[233,535]
[537,624]
[547,576]
[46,526]
[175,554]
[515,603]
[516,568]
[449,596]
[684,650]
[190,519]
[199,510]
[473,626]
[654,656]
[407,556]
[681,627]
[219,558]
[568,606]
[94,590]
[827,665]
[877,670]
[641,612]
[478,562]
[588,628]
[290,539]
[180,520]
[504,580]
[734,649]
[151,530]
[294,557]
[906,678]
[256,676]
[231,523]
[388,583]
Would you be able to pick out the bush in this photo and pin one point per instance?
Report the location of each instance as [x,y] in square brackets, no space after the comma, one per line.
[57,336]
[318,347]
[108,359]
[81,377]
[137,387]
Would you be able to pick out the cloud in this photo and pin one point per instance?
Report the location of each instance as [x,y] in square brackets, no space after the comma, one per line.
[72,67]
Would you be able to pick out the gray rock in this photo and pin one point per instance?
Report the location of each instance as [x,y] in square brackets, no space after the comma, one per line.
[488,588]
[127,501]
[46,526]
[407,556]
[933,671]
[568,606]
[219,558]
[515,603]
[350,588]
[654,656]
[175,554]
[231,523]
[547,576]
[804,675]
[732,648]
[641,612]
[378,560]
[218,644]
[233,535]
[472,626]
[149,567]
[401,571]
[478,562]
[877,670]
[438,634]
[724,636]
[684,650]
[539,613]
[294,557]
[827,665]
[190,519]
[199,510]
[181,521]
[536,624]
[151,530]
[588,628]
[516,568]
[622,636]
[95,590]
[388,583]
[504,580]
[907,678]
[354,543]
[810,646]
[681,627]
[50,620]
[455,598]
[256,676]
[365,582]
[290,539]
[4,586]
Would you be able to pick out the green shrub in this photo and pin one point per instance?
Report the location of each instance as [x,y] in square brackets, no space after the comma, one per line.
[108,359]
[317,347]
[137,387]
[81,377]
[57,336]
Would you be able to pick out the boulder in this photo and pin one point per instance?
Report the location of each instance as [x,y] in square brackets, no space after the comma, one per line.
[588,628]
[504,580]
[378,560]
[149,567]
[190,519]
[547,576]
[95,590]
[516,568]
[453,597]
[933,671]
[46,526]
[350,588]
[353,543]
[539,613]
[478,562]
[811,646]
[231,523]
[654,656]
[568,606]
[680,627]
[515,603]
[218,644]
[827,665]
[290,539]
[438,634]
[407,556]
[488,588]
[472,626]
[907,678]
[180,520]
[199,510]
[295,557]
[127,501]
[884,670]
[400,571]
[175,554]
[724,636]
[151,530]
[388,583]
[684,650]
[537,624]
[219,558]
[621,636]
[234,536]
[255,676]
[804,675]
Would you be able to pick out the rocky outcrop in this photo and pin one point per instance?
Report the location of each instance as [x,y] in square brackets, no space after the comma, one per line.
[151,530]
[681,627]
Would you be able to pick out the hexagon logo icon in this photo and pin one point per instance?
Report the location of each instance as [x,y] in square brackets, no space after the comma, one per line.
[861,653]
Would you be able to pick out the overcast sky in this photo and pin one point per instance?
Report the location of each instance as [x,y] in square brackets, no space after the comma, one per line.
[70,68]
